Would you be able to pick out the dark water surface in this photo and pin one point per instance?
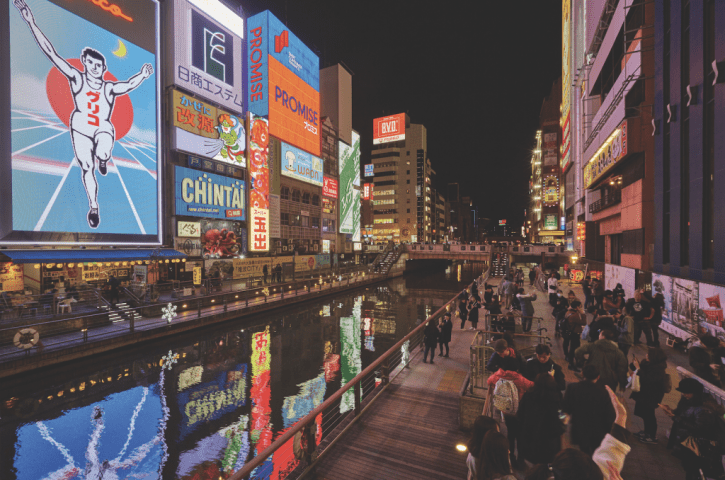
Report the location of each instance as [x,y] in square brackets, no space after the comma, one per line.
[199,406]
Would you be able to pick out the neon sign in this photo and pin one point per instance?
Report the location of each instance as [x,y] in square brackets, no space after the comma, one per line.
[109,7]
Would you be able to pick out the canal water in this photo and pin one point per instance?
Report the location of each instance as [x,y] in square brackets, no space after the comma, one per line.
[199,406]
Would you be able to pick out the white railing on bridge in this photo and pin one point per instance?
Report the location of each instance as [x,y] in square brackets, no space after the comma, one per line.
[421,248]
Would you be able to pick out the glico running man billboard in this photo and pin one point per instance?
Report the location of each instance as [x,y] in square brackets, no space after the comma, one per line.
[283,82]
[349,179]
[80,159]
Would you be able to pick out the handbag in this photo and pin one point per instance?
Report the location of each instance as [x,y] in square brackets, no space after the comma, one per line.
[634,382]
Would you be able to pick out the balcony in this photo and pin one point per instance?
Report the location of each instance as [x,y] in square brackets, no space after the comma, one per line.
[606,201]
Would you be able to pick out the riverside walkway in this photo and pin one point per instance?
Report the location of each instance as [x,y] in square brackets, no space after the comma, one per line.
[412,430]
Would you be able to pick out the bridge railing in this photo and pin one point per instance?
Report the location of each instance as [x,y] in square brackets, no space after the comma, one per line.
[297,449]
[421,248]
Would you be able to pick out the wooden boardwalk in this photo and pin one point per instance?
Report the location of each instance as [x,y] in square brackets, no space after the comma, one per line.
[411,431]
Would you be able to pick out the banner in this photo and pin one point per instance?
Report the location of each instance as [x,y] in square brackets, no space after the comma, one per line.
[223,239]
[301,165]
[209,195]
[681,297]
[190,246]
[258,183]
[349,178]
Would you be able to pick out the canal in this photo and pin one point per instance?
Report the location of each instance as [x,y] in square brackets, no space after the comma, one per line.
[199,406]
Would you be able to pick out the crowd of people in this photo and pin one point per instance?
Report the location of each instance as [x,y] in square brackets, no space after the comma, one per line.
[537,406]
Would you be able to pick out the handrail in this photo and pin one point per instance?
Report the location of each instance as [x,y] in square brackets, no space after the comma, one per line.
[302,423]
[716,392]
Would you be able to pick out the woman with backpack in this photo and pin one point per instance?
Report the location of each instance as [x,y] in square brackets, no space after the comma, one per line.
[654,383]
[538,416]
[571,330]
[505,389]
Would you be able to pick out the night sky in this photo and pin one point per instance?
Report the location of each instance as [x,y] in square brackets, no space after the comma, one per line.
[475,75]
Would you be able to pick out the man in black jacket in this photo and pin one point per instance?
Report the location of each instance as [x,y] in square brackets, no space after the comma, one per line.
[446,328]
[431,334]
[542,363]
[591,411]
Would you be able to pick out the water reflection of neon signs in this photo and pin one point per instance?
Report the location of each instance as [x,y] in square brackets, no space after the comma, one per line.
[369,329]
[261,426]
[351,365]
[190,377]
[125,429]
[230,444]
[312,392]
[332,366]
[325,310]
[210,400]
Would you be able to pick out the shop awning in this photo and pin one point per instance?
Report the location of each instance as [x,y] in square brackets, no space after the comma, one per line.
[90,255]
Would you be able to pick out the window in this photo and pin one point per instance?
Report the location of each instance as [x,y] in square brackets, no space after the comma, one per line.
[328,226]
[408,153]
[306,198]
[284,218]
[295,195]
[408,218]
[386,182]
[408,211]
[305,221]
[316,200]
[294,220]
[407,172]
[633,242]
[285,193]
[315,222]
[408,181]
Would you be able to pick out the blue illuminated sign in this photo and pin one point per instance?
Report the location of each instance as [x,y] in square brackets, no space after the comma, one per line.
[369,170]
[200,194]
[301,165]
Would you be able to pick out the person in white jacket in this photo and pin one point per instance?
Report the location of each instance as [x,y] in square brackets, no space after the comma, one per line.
[605,464]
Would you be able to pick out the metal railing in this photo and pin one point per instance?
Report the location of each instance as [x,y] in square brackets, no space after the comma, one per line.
[61,333]
[606,201]
[338,413]
[717,393]
[47,305]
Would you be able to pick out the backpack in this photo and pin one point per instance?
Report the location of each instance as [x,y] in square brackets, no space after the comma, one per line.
[506,397]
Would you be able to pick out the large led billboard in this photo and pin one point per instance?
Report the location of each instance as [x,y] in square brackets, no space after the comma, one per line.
[203,129]
[300,165]
[80,153]
[349,179]
[201,194]
[283,82]
[389,129]
[207,51]
[566,85]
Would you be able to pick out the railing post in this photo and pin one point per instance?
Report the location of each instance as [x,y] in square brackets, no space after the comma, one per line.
[385,372]
[246,296]
[198,306]
[225,303]
[132,320]
[85,330]
[357,399]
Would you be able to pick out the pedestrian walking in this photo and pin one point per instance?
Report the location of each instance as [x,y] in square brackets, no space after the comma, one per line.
[539,424]
[265,272]
[654,383]
[608,358]
[598,291]
[658,306]
[520,278]
[587,288]
[553,286]
[430,340]
[639,308]
[473,306]
[532,277]
[527,308]
[572,327]
[625,325]
[590,410]
[492,462]
[446,328]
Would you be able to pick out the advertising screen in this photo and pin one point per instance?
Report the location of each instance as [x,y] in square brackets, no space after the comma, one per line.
[284,82]
[329,187]
[349,178]
[550,222]
[551,190]
[389,129]
[200,194]
[202,129]
[300,165]
[207,51]
[369,170]
[81,151]
[566,84]
[258,183]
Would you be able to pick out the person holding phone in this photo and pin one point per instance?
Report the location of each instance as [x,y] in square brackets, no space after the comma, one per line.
[654,383]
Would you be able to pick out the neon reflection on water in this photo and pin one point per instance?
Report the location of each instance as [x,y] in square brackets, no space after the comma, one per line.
[261,411]
[350,353]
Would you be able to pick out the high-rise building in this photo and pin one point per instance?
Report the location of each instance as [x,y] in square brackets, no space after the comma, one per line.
[613,137]
[402,205]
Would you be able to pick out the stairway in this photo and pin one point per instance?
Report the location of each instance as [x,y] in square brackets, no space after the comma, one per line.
[499,264]
[119,314]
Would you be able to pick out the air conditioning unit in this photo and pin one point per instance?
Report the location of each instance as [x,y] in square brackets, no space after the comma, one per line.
[284,248]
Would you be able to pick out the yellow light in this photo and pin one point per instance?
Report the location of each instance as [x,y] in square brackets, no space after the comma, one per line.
[183,306]
[37,265]
[71,265]
[236,296]
[125,263]
[167,261]
[183,259]
[213,301]
[461,447]
[117,264]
